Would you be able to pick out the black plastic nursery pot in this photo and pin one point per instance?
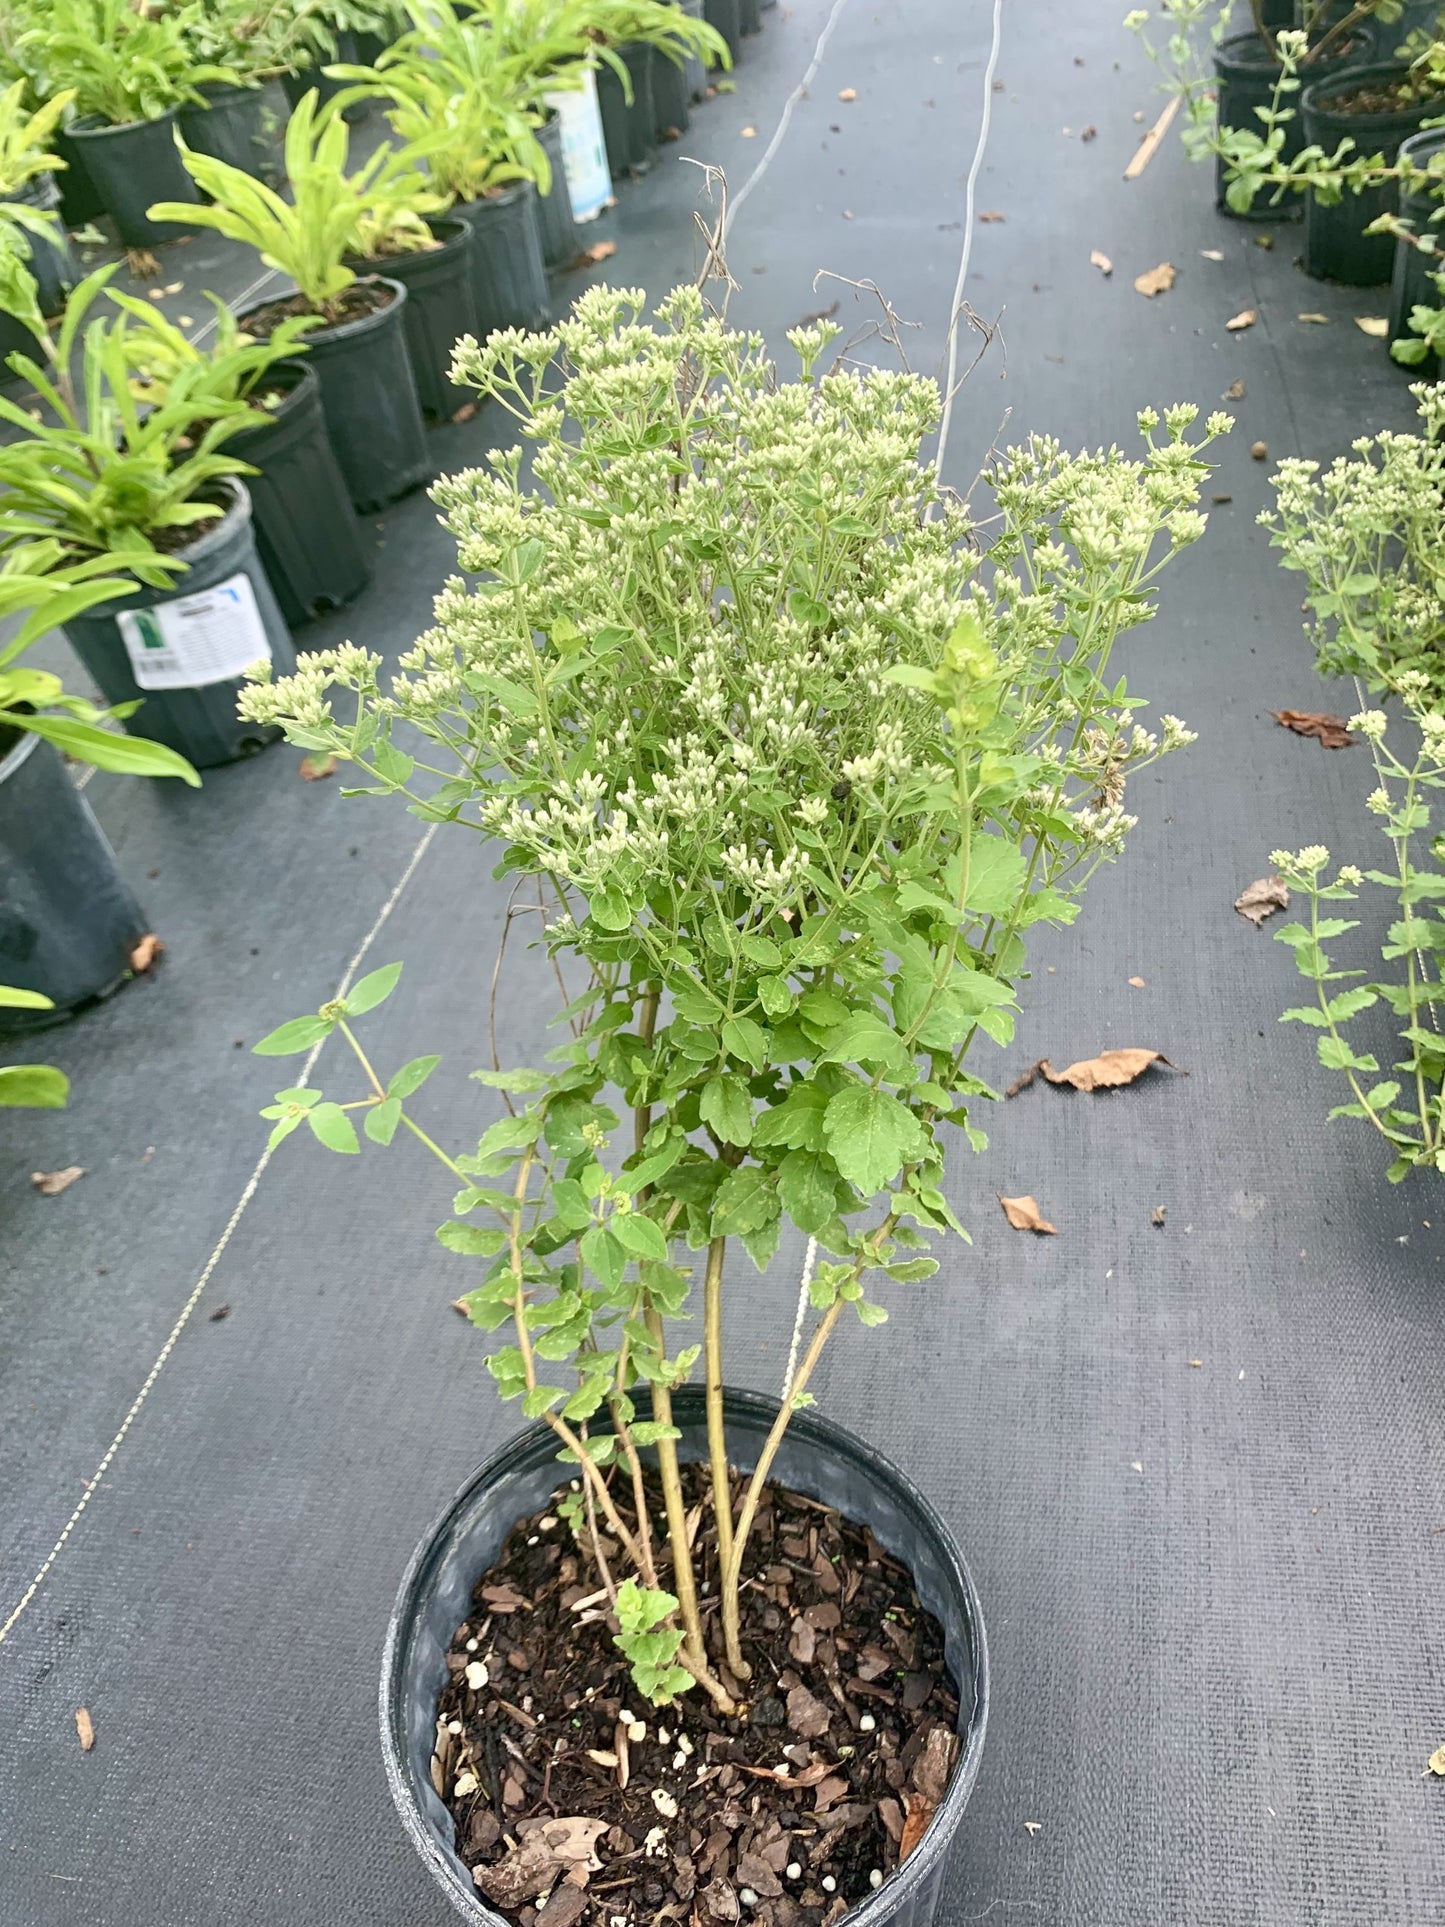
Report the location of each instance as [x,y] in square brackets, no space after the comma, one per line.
[1412,284]
[628,127]
[241,126]
[671,97]
[726,17]
[556,229]
[694,73]
[182,651]
[368,393]
[51,262]
[68,921]
[1336,245]
[348,53]
[79,202]
[132,167]
[818,1459]
[1246,72]
[310,542]
[750,16]
[509,277]
[440,306]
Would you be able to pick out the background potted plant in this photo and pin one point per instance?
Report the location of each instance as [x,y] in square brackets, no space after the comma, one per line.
[69,922]
[30,230]
[356,336]
[129,71]
[253,46]
[793,799]
[308,537]
[145,491]
[351,31]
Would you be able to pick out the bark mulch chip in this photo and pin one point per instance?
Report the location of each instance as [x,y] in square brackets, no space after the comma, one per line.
[577,1803]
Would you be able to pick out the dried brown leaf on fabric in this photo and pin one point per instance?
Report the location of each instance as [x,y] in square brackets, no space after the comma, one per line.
[920,1812]
[599,251]
[1089,133]
[1262,899]
[748,133]
[1436,1763]
[1329,731]
[145,953]
[50,1184]
[1138,983]
[1374,325]
[1246,318]
[460,1304]
[1107,1071]
[85,1728]
[465,412]
[1156,280]
[1158,1215]
[847,93]
[315,769]
[221,1311]
[991,216]
[1235,390]
[1024,1215]
[1101,261]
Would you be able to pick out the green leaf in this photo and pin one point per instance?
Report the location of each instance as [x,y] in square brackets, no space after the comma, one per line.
[762,1245]
[13,999]
[744,1038]
[38,1087]
[541,1399]
[638,1235]
[745,1202]
[870,1314]
[865,1038]
[372,990]
[293,1038]
[871,1136]
[604,1256]
[472,1240]
[996,871]
[609,910]
[381,1122]
[797,1122]
[126,755]
[775,996]
[412,1076]
[808,1188]
[520,1079]
[726,1104]
[333,1128]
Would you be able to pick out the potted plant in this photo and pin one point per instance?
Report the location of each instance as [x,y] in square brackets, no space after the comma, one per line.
[356,336]
[1417,299]
[635,41]
[145,491]
[30,232]
[350,31]
[406,234]
[796,756]
[240,117]
[1370,110]
[129,71]
[68,921]
[308,537]
[453,90]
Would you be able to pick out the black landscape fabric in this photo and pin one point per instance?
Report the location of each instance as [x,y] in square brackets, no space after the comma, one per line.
[1194,1466]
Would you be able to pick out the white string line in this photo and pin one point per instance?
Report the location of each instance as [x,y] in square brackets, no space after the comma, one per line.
[969,192]
[780,131]
[211,1263]
[955,315]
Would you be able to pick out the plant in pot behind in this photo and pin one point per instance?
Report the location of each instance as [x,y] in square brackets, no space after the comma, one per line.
[129,71]
[796,766]
[68,921]
[308,536]
[356,334]
[148,490]
[253,46]
[456,93]
[30,230]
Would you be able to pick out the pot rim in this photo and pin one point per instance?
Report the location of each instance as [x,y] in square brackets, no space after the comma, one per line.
[505,196]
[19,753]
[234,517]
[1316,99]
[1231,55]
[807,1425]
[344,330]
[456,242]
[93,127]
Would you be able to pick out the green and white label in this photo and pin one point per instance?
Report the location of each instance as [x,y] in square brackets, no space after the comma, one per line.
[212,636]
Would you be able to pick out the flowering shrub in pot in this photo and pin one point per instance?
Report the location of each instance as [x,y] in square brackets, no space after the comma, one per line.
[797,756]
[31,235]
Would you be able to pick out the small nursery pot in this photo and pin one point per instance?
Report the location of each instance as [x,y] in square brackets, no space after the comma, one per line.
[818,1459]
[238,125]
[750,16]
[1336,246]
[307,534]
[79,202]
[131,168]
[51,262]
[1411,285]
[556,228]
[727,17]
[629,127]
[509,278]
[671,95]
[694,73]
[68,921]
[182,651]
[439,307]
[369,396]
[1246,72]
[348,53]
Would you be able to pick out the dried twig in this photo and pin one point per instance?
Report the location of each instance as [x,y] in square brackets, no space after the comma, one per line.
[1149,146]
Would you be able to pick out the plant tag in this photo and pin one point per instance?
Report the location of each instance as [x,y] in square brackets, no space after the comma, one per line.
[212,636]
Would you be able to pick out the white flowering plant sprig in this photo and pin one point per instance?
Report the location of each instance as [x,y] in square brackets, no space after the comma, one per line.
[1408,1109]
[1365,534]
[798,756]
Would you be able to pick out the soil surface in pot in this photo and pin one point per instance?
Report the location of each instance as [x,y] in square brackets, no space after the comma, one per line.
[1381,97]
[577,1802]
[355,303]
